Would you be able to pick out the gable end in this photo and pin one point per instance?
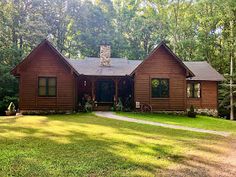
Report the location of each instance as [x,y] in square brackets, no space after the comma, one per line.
[15,71]
[188,71]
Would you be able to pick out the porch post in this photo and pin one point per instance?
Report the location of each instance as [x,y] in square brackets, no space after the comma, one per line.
[116,91]
[93,93]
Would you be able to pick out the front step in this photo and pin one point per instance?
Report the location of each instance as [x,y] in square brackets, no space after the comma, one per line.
[102,106]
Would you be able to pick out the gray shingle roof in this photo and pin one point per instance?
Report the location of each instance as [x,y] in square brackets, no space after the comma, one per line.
[91,66]
[203,71]
[120,67]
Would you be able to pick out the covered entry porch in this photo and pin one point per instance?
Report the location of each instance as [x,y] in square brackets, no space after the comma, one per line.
[104,92]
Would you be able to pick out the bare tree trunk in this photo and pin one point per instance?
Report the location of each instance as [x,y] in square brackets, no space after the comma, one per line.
[231,89]
[231,77]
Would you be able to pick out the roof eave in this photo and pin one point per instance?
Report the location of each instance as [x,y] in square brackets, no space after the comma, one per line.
[213,80]
[14,70]
[62,57]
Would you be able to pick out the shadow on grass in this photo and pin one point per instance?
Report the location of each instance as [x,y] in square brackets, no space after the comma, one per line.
[85,145]
[197,166]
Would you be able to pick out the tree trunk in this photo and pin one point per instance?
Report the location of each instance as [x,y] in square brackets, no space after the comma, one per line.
[231,78]
[231,90]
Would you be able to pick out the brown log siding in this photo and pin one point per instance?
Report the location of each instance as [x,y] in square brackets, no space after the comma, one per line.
[46,63]
[161,65]
[208,99]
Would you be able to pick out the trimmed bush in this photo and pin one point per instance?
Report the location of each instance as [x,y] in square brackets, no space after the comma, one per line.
[191,112]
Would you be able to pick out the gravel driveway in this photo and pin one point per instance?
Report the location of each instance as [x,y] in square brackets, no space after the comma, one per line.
[112,115]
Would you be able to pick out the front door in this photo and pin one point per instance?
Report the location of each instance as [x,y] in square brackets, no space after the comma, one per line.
[105,91]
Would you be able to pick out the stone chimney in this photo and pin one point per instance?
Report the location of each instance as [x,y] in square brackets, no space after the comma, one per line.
[105,55]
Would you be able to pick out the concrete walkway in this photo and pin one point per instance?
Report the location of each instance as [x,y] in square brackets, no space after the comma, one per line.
[111,115]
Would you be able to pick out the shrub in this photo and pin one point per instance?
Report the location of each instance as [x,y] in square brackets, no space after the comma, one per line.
[88,107]
[119,106]
[191,112]
[3,107]
[223,112]
[128,104]
[87,103]
[113,108]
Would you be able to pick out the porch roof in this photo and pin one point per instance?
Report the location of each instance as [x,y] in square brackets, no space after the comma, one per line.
[203,71]
[91,66]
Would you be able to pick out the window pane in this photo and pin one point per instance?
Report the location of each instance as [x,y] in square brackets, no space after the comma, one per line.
[42,91]
[155,83]
[164,88]
[42,82]
[196,90]
[189,90]
[47,86]
[52,91]
[51,82]
[155,88]
[193,90]
[160,88]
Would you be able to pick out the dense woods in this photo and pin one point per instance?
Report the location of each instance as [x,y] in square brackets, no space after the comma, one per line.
[194,29]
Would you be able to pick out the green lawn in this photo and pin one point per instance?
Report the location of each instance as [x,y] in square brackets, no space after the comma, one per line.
[86,145]
[204,122]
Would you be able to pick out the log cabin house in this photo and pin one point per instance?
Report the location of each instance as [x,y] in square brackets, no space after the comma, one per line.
[49,81]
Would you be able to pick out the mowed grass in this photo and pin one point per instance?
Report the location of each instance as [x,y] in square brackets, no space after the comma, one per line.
[204,122]
[86,145]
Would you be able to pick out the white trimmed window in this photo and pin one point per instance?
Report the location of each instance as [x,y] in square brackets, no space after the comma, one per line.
[194,90]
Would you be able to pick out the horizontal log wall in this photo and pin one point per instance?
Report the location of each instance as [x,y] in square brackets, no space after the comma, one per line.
[161,64]
[46,63]
[208,98]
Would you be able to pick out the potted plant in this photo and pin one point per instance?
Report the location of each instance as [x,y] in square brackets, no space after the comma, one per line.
[119,105]
[11,110]
[88,107]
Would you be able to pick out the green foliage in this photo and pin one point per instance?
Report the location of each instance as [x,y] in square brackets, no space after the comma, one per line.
[88,107]
[191,112]
[119,105]
[113,108]
[224,97]
[128,104]
[87,103]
